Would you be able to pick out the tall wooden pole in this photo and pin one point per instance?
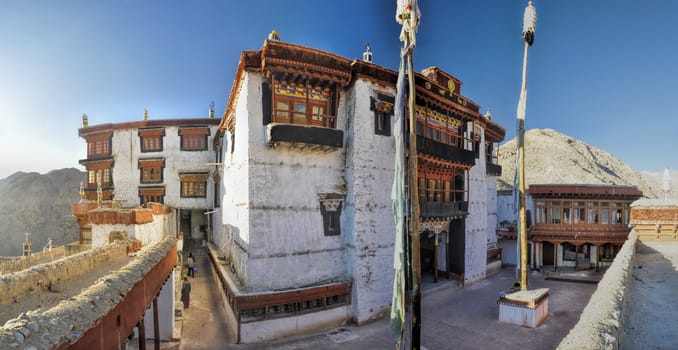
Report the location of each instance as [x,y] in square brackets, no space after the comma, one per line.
[414,210]
[521,177]
[529,26]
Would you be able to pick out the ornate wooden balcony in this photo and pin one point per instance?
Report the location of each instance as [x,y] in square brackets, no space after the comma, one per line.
[445,151]
[442,209]
[305,135]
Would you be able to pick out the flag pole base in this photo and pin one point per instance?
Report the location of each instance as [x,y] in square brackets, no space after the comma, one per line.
[527,308]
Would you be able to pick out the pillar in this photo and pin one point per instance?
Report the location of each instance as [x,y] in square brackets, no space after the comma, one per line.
[165,310]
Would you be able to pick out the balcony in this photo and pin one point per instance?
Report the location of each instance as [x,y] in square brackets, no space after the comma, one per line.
[493,169]
[442,209]
[304,136]
[445,151]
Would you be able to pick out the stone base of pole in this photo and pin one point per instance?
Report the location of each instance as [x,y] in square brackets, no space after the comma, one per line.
[527,308]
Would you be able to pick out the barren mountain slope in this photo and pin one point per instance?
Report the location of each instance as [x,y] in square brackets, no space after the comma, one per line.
[555,158]
[40,205]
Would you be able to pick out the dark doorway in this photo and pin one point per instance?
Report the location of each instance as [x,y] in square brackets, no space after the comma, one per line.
[457,247]
[185,225]
[547,253]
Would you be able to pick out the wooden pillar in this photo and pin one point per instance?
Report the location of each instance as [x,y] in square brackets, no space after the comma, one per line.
[435,259]
[142,334]
[555,256]
[576,257]
[597,258]
[156,326]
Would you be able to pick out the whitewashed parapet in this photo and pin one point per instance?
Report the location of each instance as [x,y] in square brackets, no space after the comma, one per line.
[602,321]
[70,319]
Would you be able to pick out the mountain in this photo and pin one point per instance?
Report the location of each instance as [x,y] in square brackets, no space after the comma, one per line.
[555,158]
[39,204]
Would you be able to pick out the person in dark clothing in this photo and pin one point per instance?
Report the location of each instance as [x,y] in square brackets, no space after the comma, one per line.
[186,292]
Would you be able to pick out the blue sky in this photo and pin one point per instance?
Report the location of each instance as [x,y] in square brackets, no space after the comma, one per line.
[604,72]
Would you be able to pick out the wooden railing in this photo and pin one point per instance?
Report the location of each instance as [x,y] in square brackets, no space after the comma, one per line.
[251,307]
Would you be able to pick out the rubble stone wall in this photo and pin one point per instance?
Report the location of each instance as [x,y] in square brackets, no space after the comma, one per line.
[602,321]
[38,278]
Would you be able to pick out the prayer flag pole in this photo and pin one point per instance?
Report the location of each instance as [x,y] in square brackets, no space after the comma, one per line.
[529,24]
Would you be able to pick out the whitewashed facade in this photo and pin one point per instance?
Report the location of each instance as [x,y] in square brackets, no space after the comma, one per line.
[282,182]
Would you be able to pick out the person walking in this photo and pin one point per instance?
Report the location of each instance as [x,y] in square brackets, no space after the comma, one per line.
[186,292]
[191,265]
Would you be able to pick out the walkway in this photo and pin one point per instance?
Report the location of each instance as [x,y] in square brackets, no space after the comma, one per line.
[204,324]
[651,320]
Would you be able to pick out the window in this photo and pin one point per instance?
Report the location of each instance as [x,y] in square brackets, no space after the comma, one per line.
[540,212]
[593,212]
[554,213]
[298,102]
[330,209]
[103,175]
[151,194]
[151,139]
[99,145]
[194,138]
[151,170]
[383,110]
[194,185]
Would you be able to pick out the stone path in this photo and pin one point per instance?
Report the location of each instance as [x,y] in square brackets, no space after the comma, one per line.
[204,324]
[652,309]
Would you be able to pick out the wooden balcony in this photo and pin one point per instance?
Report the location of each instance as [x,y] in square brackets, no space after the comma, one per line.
[442,209]
[445,151]
[304,136]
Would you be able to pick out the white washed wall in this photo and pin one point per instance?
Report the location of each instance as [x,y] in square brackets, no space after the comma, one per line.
[369,173]
[287,246]
[234,238]
[476,222]
[126,174]
[100,233]
[492,210]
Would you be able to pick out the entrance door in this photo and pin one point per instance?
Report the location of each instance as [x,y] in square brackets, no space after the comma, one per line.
[457,247]
[547,253]
[185,223]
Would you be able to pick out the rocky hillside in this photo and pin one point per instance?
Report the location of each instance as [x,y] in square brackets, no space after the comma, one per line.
[552,157]
[39,204]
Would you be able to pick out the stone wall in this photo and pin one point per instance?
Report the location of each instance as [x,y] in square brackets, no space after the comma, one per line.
[38,278]
[67,322]
[602,321]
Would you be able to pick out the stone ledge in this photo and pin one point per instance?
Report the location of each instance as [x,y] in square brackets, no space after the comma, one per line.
[601,323]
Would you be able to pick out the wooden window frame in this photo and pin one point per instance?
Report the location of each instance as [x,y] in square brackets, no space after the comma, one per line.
[151,171]
[194,138]
[99,145]
[147,135]
[383,111]
[193,185]
[298,94]
[154,194]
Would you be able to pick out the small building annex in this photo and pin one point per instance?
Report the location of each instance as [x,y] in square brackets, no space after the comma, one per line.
[580,226]
[307,230]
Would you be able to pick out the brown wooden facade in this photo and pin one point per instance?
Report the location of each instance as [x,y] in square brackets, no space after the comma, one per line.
[586,223]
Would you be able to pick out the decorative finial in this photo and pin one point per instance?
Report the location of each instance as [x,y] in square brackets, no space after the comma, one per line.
[367,55]
[273,35]
[488,114]
[529,23]
[145,114]
[85,122]
[211,112]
